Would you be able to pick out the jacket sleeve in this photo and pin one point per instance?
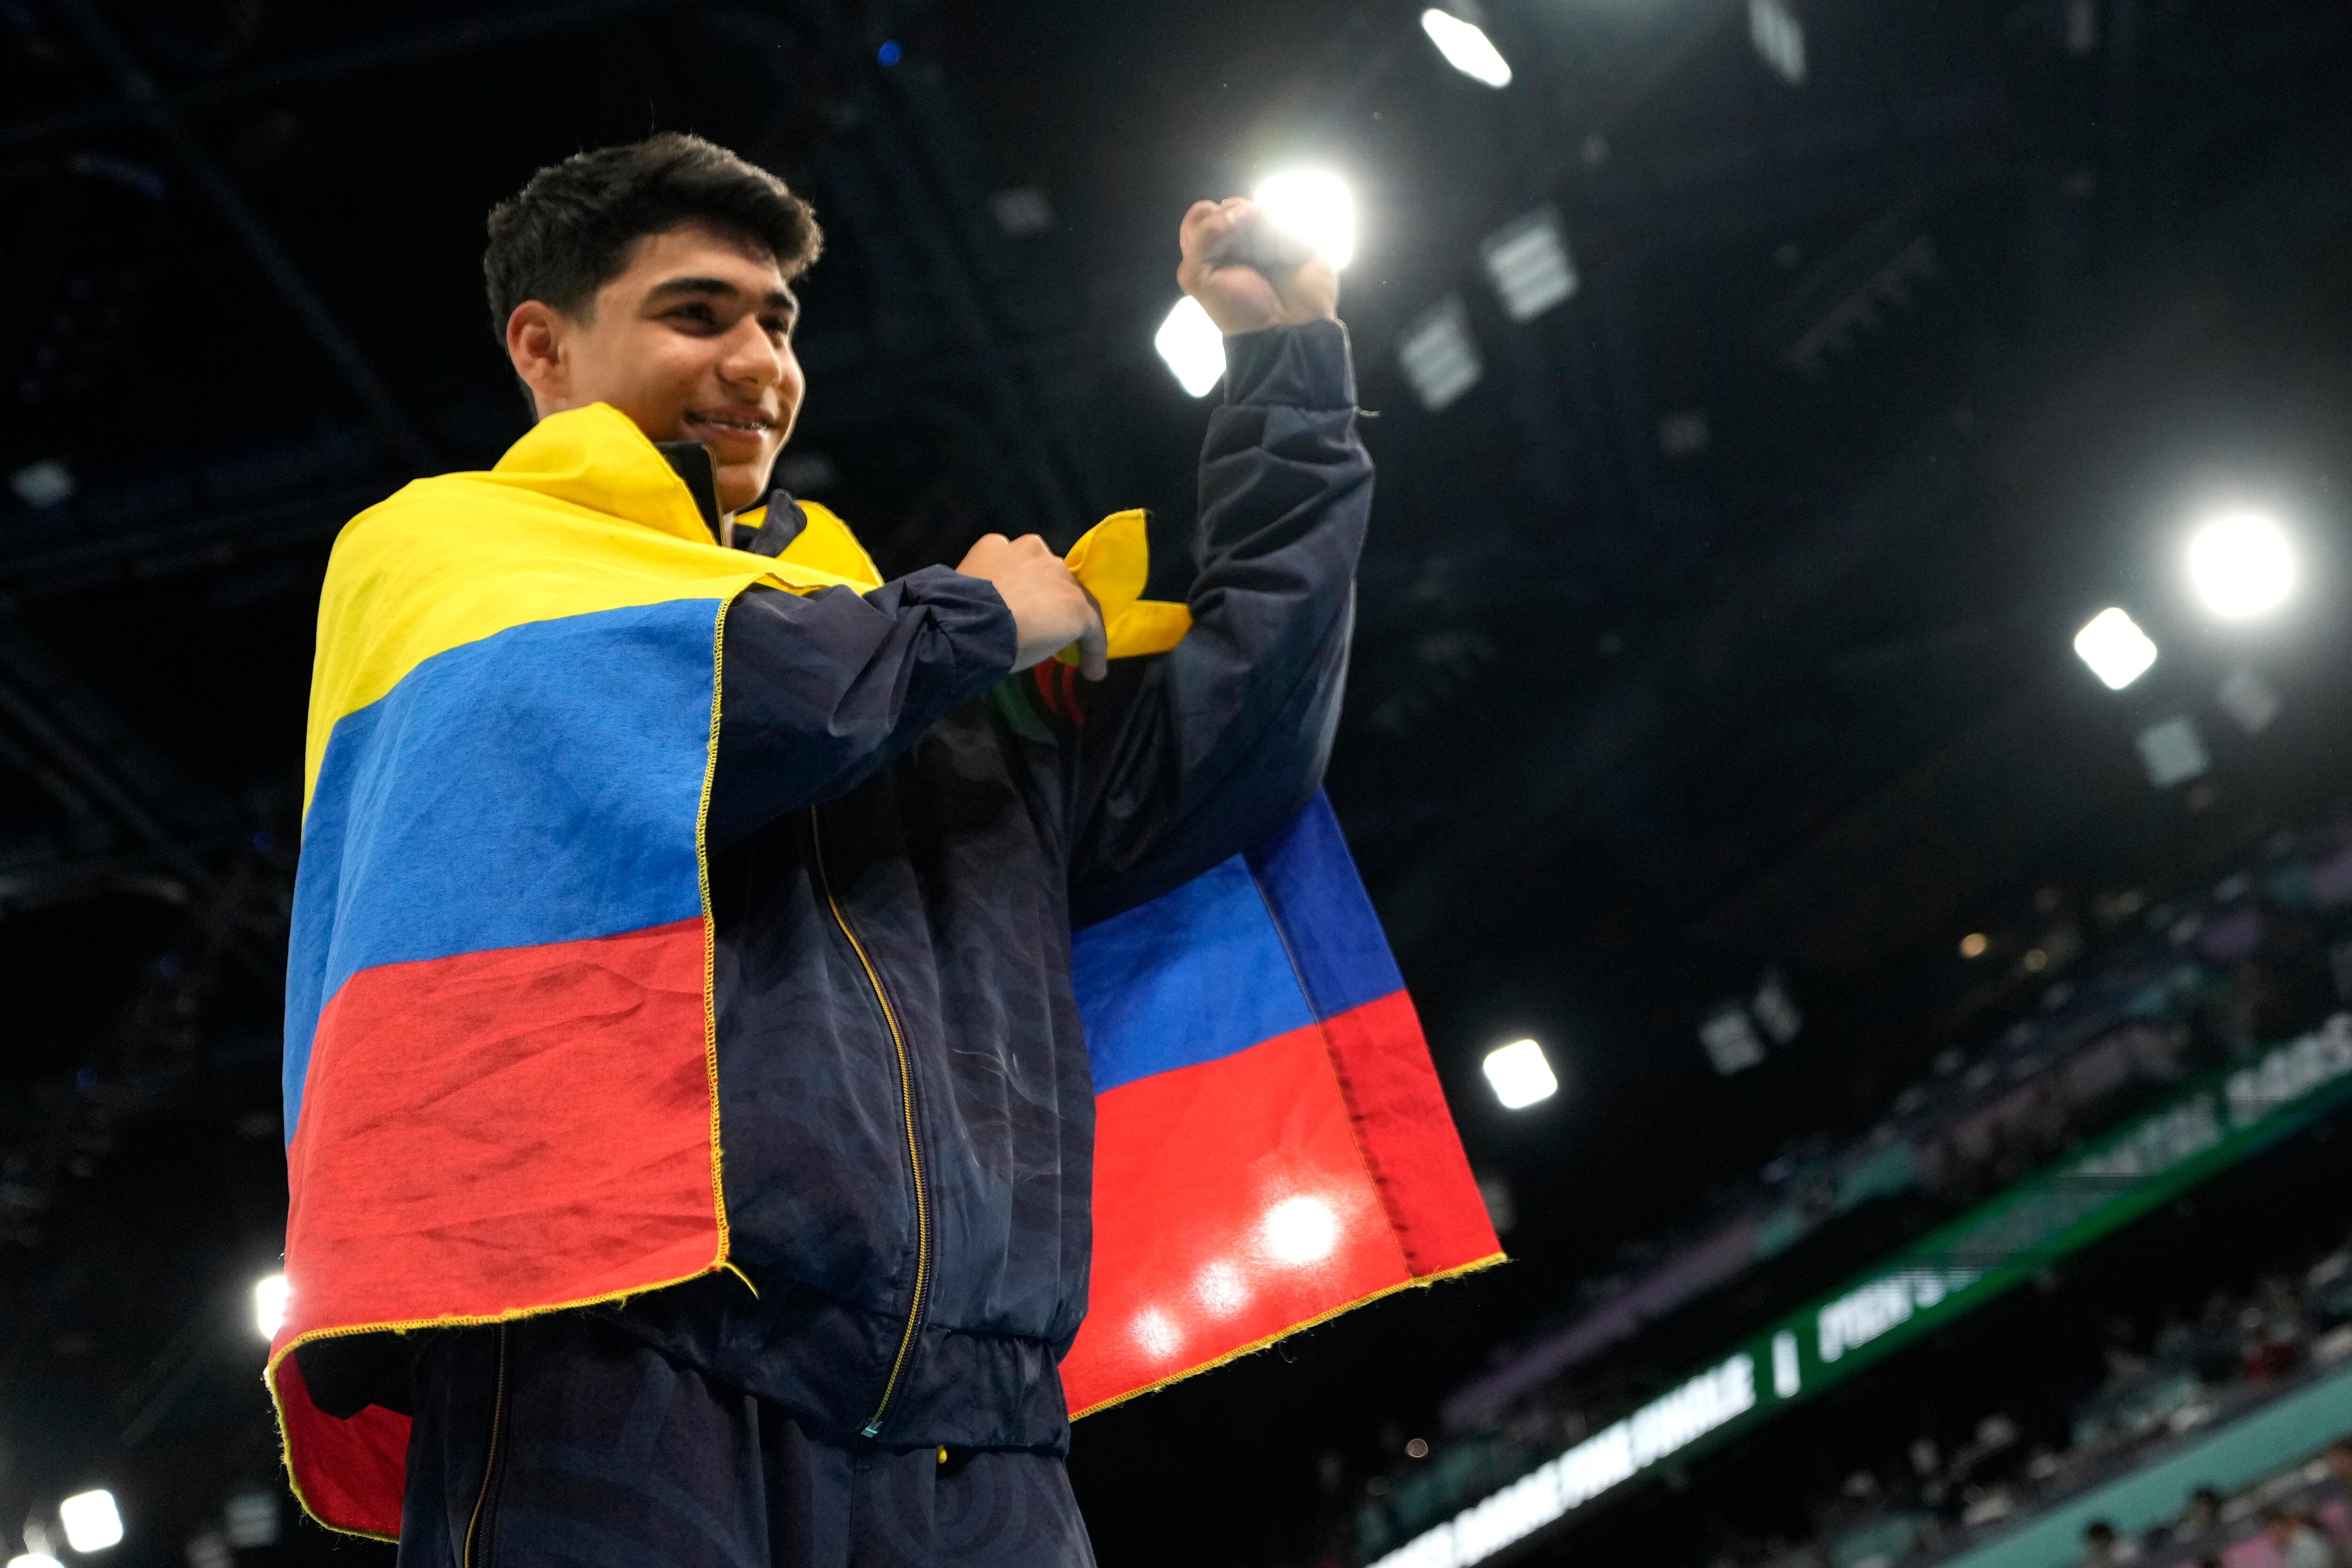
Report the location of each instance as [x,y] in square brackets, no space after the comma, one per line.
[1186,757]
[818,692]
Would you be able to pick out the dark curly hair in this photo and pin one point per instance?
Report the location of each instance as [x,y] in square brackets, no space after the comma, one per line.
[568,233]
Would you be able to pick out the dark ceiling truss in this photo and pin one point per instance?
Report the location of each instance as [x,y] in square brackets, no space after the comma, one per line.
[1598,504]
[1627,216]
[1599,781]
[123,795]
[184,540]
[386,52]
[875,177]
[401,440]
[1750,189]
[92,780]
[149,1053]
[149,832]
[91,758]
[891,166]
[1703,658]
[878,191]
[944,209]
[893,178]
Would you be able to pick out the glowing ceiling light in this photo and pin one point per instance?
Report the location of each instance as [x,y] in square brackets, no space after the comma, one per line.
[1729,1036]
[2173,753]
[1466,47]
[1438,354]
[92,1522]
[2114,647]
[1779,37]
[1315,206]
[1193,348]
[1301,1230]
[1526,260]
[269,1298]
[2242,565]
[1521,1074]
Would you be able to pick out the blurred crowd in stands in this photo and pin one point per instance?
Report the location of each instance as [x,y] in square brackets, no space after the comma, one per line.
[2163,1382]
[2109,1003]
[2295,1518]
[2102,1007]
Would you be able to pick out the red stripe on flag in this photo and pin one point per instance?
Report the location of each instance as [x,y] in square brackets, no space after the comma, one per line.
[1407,1136]
[1230,1206]
[349,1473]
[1319,1169]
[497,1131]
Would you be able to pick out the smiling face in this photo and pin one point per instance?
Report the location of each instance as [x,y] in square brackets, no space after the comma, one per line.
[693,341]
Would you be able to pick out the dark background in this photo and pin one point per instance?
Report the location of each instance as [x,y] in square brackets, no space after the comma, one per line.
[1628,726]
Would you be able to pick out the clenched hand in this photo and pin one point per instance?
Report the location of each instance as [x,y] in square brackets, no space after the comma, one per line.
[1051,610]
[1249,275]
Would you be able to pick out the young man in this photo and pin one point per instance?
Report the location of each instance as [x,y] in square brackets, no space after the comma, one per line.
[899,840]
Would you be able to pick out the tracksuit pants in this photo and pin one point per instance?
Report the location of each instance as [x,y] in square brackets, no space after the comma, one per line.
[561,1440]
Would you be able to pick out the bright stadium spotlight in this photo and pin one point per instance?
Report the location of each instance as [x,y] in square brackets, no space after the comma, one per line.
[2242,565]
[92,1522]
[1466,47]
[34,1559]
[2114,647]
[1193,348]
[1521,1074]
[269,1304]
[1315,206]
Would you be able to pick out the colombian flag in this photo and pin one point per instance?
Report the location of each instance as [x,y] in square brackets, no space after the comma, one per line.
[500,1079]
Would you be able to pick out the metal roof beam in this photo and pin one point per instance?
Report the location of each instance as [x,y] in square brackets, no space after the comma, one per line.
[327,65]
[144,97]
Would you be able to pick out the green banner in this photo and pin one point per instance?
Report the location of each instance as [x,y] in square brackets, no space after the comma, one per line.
[2207,1127]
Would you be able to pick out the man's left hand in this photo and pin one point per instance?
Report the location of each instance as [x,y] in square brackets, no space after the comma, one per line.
[1244,296]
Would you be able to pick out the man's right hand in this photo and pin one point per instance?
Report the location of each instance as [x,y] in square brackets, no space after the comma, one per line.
[1050,609]
[1239,273]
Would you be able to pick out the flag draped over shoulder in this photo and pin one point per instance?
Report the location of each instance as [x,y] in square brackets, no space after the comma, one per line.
[500,1079]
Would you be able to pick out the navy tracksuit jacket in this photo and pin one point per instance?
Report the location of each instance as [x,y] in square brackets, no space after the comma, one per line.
[901,838]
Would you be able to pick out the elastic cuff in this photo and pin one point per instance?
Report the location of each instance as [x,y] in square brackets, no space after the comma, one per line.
[1305,366]
[974,615]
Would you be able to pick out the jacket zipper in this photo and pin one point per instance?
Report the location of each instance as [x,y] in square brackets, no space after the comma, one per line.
[914,1151]
[490,1458]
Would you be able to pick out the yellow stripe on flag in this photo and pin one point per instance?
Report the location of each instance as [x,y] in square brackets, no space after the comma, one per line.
[450,560]
[583,515]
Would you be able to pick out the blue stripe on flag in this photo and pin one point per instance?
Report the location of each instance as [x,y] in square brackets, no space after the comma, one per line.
[541,785]
[1310,881]
[1194,975]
